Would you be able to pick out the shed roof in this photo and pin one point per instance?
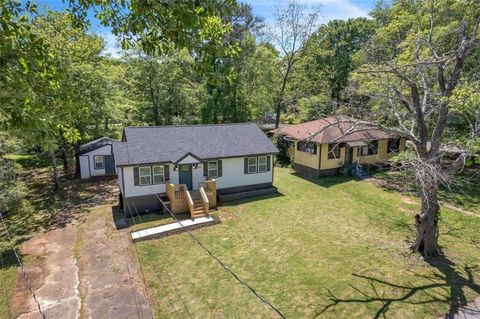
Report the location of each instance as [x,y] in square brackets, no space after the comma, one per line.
[335,129]
[95,144]
[158,144]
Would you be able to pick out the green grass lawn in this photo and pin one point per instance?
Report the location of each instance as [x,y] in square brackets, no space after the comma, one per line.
[331,247]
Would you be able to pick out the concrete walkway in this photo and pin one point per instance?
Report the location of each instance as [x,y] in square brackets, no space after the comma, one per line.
[168,229]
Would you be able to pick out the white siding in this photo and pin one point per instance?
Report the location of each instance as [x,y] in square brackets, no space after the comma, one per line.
[197,176]
[119,179]
[84,168]
[233,174]
[131,190]
[232,171]
[106,150]
[87,170]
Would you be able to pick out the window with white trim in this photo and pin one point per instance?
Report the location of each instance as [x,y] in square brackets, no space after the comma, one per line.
[158,174]
[262,164]
[252,165]
[145,175]
[371,149]
[213,169]
[98,161]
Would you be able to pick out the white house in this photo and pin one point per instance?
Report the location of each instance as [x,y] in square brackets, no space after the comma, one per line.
[96,158]
[239,157]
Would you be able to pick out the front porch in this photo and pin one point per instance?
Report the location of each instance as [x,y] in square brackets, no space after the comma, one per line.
[196,202]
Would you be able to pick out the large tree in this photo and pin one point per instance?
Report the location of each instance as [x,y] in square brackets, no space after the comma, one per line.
[334,47]
[168,87]
[225,72]
[156,26]
[415,76]
[290,32]
[29,80]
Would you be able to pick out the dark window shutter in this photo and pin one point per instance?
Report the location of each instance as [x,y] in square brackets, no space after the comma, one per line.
[166,172]
[268,163]
[220,172]
[315,148]
[205,168]
[135,176]
[298,146]
[245,165]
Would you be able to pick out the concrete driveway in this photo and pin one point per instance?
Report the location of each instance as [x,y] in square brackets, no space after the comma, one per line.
[84,267]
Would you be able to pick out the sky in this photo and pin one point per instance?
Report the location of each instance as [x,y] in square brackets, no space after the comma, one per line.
[331,9]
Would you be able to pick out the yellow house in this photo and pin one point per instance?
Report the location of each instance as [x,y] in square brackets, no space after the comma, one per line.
[323,147]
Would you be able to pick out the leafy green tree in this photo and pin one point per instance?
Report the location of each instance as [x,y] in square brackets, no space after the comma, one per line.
[290,33]
[168,87]
[333,49]
[157,27]
[415,73]
[224,72]
[260,80]
[28,81]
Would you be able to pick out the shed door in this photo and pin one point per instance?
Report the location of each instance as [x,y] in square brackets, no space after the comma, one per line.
[109,164]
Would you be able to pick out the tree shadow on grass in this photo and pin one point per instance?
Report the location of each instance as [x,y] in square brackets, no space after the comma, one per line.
[8,259]
[462,193]
[386,294]
[49,210]
[326,181]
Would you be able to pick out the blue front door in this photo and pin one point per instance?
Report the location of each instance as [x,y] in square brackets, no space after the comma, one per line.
[109,164]
[185,175]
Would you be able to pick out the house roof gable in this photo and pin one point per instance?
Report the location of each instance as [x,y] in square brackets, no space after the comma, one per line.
[173,143]
[334,129]
[96,144]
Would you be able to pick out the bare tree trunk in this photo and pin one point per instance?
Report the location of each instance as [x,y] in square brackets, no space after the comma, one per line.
[56,184]
[63,154]
[77,160]
[279,102]
[427,224]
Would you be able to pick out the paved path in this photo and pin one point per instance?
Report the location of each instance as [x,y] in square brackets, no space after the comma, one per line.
[53,273]
[171,228]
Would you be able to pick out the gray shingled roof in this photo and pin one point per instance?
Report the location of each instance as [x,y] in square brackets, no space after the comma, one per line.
[159,144]
[93,145]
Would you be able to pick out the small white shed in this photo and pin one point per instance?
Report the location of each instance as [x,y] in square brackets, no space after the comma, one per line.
[96,158]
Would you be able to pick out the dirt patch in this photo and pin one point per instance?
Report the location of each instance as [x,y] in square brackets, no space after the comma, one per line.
[111,283]
[408,211]
[226,216]
[52,270]
[408,200]
[460,209]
